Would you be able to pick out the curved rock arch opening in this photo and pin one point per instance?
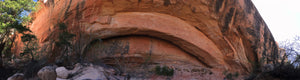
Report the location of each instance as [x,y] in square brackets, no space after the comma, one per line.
[162,26]
[132,44]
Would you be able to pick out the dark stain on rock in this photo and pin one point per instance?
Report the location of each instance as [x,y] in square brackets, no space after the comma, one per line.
[112,1]
[193,9]
[249,6]
[251,32]
[66,14]
[266,41]
[51,2]
[264,53]
[116,47]
[78,12]
[82,4]
[254,47]
[275,50]
[79,8]
[125,49]
[239,30]
[236,19]
[266,37]
[151,48]
[257,23]
[218,5]
[228,19]
[167,2]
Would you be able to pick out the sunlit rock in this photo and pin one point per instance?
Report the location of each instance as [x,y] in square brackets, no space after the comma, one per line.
[200,39]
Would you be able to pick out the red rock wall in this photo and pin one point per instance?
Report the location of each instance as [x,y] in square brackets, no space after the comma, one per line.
[220,34]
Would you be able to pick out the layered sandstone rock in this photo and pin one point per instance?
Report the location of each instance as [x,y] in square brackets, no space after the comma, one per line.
[208,35]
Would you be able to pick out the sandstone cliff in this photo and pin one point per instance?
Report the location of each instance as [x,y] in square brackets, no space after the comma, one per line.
[195,37]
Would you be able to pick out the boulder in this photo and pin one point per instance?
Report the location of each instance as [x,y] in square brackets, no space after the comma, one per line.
[47,73]
[17,76]
[62,72]
[84,72]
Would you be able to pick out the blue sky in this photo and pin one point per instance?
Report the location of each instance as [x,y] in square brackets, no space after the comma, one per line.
[281,16]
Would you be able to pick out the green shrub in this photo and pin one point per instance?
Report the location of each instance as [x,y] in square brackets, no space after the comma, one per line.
[230,76]
[164,71]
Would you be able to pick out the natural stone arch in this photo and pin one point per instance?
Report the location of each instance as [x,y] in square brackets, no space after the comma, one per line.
[161,26]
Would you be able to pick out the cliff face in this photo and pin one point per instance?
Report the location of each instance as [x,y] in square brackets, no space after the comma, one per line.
[195,37]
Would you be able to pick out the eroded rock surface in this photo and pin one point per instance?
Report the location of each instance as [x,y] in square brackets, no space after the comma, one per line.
[211,35]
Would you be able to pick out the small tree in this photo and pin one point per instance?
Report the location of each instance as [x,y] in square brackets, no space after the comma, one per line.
[31,45]
[13,15]
[286,69]
[64,42]
[292,48]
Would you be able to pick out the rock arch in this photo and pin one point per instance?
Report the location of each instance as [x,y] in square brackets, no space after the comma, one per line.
[161,26]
